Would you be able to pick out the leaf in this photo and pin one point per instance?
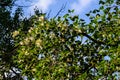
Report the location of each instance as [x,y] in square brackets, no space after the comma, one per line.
[88,14]
[101,2]
[66,15]
[70,11]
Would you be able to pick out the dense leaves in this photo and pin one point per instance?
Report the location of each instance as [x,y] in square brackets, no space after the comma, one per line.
[64,47]
[9,21]
[68,48]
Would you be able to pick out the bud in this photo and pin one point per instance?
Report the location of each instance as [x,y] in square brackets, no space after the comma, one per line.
[38,42]
[26,41]
[31,38]
[15,33]
[52,35]
[42,24]
[41,18]
[30,30]
[21,43]
[27,53]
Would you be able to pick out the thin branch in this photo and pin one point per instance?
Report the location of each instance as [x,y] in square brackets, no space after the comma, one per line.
[97,41]
[61,10]
[22,6]
[14,49]
[17,74]
[48,15]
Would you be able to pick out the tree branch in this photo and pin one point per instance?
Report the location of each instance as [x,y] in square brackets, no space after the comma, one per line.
[17,74]
[61,10]
[97,41]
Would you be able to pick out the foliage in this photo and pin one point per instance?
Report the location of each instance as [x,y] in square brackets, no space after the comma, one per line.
[9,21]
[56,48]
[62,48]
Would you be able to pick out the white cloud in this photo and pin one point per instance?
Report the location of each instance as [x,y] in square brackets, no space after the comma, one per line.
[80,5]
[42,4]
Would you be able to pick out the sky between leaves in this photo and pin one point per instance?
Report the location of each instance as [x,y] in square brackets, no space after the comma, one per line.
[81,7]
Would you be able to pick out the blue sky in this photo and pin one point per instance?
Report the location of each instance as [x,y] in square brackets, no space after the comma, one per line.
[81,7]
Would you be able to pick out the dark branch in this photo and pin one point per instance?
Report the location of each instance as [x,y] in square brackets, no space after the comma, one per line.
[61,10]
[48,15]
[14,49]
[17,74]
[97,41]
[22,5]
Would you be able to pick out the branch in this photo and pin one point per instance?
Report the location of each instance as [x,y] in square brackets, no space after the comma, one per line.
[17,74]
[48,15]
[22,5]
[61,10]
[97,41]
[14,49]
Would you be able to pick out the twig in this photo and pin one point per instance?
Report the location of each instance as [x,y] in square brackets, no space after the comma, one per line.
[61,10]
[48,15]
[97,41]
[17,74]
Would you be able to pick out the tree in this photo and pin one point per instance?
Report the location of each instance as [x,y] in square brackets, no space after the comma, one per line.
[9,22]
[56,48]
